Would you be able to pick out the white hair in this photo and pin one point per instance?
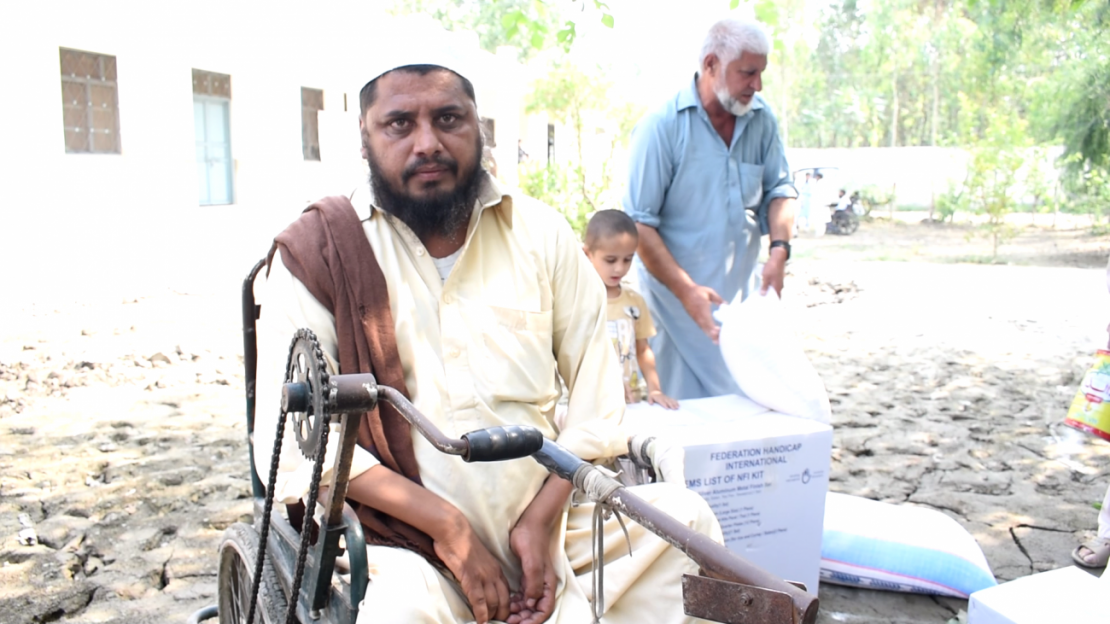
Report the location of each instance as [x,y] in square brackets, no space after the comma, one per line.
[731,37]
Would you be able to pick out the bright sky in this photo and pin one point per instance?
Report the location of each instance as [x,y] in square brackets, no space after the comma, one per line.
[654,44]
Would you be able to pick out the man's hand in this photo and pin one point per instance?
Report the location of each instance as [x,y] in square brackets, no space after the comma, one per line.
[656,397]
[536,600]
[478,572]
[774,271]
[698,301]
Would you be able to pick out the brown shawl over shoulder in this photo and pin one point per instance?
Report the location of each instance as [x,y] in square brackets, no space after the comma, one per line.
[327,250]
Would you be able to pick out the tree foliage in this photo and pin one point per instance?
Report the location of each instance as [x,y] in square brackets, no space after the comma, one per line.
[951,73]
[528,25]
[581,100]
[882,73]
[934,72]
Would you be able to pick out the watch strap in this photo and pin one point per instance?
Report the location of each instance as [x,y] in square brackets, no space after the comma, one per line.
[781,243]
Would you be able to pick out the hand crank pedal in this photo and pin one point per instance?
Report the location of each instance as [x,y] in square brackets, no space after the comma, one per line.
[735,603]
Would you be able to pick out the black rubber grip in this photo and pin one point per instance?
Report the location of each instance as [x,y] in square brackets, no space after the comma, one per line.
[501,443]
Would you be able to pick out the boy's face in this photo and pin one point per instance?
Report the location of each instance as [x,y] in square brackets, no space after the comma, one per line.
[612,257]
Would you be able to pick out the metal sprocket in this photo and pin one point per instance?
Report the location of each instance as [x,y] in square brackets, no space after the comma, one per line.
[306,364]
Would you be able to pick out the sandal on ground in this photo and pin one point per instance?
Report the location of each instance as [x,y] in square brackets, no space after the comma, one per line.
[1099,549]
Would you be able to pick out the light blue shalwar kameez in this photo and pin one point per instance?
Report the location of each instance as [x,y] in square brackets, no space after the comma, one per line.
[709,203]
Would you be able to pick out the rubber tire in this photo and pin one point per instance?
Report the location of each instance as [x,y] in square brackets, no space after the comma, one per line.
[844,223]
[238,553]
[853,224]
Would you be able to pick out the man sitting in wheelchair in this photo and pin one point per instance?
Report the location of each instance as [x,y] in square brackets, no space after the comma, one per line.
[490,303]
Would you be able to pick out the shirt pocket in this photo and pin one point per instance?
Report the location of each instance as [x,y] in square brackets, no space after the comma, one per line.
[511,354]
[751,185]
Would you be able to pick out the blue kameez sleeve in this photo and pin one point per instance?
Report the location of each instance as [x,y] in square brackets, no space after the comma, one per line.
[777,180]
[650,169]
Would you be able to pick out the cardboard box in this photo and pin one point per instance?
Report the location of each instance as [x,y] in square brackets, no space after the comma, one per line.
[764,474]
[1064,595]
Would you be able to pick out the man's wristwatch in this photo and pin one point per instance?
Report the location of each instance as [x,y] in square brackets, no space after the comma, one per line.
[783,244]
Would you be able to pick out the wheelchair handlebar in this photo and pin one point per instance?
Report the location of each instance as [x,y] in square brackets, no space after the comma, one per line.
[360,392]
[501,443]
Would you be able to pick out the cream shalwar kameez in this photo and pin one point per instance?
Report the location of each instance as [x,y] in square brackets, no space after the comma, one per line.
[481,349]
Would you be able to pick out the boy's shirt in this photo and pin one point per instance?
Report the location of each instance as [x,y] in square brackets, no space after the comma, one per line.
[628,320]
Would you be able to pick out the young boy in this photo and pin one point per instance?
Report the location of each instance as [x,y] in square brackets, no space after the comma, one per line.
[611,240]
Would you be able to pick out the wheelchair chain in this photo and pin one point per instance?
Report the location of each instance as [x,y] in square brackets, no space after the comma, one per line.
[310,368]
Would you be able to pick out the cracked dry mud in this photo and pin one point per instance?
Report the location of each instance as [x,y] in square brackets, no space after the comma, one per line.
[122,439]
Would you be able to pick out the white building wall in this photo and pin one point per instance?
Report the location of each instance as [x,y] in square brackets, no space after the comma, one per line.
[77,224]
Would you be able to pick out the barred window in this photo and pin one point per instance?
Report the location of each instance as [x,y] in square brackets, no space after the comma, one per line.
[211,83]
[90,104]
[212,123]
[312,102]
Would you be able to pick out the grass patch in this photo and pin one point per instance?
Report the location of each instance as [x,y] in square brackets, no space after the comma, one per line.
[976,259]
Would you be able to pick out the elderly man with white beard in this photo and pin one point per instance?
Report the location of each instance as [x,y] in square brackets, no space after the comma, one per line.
[707,178]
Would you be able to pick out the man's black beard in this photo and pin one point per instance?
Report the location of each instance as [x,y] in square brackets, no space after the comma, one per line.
[442,214]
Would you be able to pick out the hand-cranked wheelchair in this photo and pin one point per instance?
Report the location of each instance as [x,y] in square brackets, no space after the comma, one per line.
[271,571]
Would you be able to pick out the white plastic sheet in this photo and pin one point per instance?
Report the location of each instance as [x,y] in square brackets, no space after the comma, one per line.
[767,361]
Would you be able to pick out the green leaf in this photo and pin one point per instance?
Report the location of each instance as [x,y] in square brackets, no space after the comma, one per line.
[511,19]
[767,12]
[607,19]
[537,40]
[733,4]
[567,34]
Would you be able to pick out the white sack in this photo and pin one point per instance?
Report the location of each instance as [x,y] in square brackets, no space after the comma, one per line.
[903,548]
[767,361]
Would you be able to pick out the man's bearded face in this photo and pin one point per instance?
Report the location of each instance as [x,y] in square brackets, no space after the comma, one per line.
[736,83]
[437,211]
[424,148]
[731,104]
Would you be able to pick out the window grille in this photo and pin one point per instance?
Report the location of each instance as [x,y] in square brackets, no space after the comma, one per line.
[211,83]
[90,104]
[312,102]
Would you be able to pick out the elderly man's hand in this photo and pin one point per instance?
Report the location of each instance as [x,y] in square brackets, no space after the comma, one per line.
[478,572]
[774,271]
[531,541]
[698,301]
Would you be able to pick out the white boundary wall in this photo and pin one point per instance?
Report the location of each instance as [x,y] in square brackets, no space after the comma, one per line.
[920,173]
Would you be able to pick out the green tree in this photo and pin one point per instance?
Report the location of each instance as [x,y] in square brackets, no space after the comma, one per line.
[528,25]
[582,100]
[1085,125]
[993,176]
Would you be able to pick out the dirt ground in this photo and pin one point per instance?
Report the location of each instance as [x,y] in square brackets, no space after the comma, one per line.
[122,438]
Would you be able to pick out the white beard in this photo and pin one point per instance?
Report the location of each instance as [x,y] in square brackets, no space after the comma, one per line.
[731,104]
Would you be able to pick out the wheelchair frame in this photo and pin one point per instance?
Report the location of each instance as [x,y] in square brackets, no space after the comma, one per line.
[730,589]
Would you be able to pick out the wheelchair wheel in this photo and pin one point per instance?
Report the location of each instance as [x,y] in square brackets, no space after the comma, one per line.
[853,223]
[238,553]
[844,223]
